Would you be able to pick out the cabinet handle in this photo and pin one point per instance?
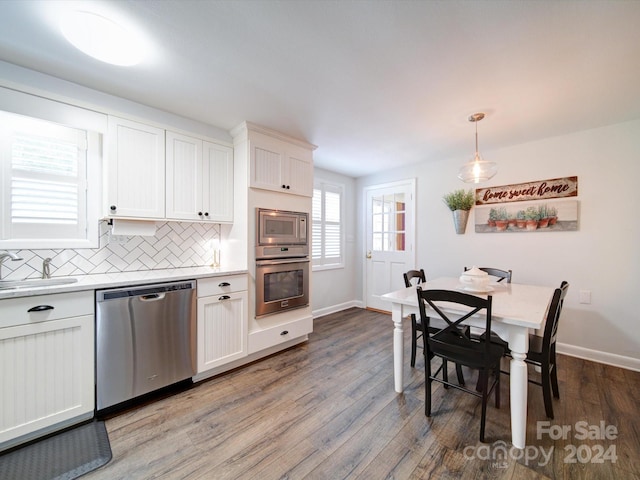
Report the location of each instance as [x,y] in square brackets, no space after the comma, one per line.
[285,332]
[112,208]
[199,214]
[288,187]
[224,297]
[206,214]
[40,308]
[284,186]
[224,284]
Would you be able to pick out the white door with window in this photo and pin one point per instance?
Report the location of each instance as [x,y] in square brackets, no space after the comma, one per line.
[390,238]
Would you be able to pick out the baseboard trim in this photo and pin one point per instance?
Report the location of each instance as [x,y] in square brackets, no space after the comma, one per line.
[336,308]
[598,356]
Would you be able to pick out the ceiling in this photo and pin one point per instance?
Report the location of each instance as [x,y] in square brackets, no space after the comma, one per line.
[373,83]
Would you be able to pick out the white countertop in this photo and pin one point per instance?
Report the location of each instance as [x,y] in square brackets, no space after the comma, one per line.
[120,279]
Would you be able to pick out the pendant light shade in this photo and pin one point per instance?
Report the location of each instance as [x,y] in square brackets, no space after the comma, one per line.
[477,170]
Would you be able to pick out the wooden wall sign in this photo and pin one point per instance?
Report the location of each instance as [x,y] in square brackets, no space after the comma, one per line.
[520,192]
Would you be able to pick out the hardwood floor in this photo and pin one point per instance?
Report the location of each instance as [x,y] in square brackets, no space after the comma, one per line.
[327,409]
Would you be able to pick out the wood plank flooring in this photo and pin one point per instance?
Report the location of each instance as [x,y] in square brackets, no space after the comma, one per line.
[327,409]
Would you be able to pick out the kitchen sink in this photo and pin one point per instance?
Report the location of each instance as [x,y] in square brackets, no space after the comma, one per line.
[35,282]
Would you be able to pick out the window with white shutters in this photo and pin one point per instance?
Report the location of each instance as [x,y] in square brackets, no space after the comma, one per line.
[45,184]
[327,230]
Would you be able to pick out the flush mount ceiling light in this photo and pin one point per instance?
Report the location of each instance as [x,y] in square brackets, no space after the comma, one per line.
[477,170]
[102,38]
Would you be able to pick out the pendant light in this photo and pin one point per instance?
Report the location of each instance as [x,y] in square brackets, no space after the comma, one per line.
[477,170]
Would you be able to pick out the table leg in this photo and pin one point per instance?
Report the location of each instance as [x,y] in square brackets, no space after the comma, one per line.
[398,347]
[518,399]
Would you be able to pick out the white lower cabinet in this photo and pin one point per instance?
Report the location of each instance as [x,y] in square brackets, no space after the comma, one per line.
[46,364]
[222,320]
[272,336]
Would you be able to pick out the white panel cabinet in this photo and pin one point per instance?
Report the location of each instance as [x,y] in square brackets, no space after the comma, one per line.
[217,196]
[222,321]
[46,364]
[280,166]
[199,180]
[135,170]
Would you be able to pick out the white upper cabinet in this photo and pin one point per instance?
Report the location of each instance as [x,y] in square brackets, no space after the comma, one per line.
[135,173]
[184,177]
[280,165]
[217,196]
[153,174]
[199,180]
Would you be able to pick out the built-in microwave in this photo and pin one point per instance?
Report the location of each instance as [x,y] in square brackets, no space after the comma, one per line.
[277,228]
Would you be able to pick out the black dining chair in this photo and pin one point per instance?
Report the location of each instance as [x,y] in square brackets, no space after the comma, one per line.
[542,350]
[500,275]
[412,278]
[496,272]
[453,343]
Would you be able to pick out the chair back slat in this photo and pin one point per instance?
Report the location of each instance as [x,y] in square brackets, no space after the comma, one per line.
[496,272]
[414,277]
[553,314]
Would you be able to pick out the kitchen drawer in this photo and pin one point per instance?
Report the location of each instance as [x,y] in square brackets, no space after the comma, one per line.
[224,284]
[15,311]
[261,339]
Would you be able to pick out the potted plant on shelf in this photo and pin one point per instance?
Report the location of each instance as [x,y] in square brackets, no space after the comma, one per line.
[493,215]
[532,215]
[552,212]
[543,222]
[460,202]
[502,222]
[521,220]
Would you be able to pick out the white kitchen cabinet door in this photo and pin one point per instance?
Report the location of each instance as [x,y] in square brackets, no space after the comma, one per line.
[217,175]
[184,177]
[135,170]
[199,180]
[47,376]
[222,329]
[282,167]
[297,171]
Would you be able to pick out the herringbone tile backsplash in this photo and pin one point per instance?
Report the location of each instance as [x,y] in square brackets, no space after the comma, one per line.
[174,245]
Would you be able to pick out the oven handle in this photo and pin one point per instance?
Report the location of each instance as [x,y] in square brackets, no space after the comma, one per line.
[281,261]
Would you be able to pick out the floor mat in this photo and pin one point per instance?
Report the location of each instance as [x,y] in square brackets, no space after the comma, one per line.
[63,456]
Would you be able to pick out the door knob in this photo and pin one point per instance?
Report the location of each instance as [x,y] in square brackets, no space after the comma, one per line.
[369,254]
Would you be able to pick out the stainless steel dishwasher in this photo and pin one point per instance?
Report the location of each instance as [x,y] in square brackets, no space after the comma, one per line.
[145,339]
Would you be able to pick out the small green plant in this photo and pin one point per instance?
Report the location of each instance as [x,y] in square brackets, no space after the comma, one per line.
[552,211]
[459,200]
[520,215]
[493,214]
[532,213]
[542,211]
[502,214]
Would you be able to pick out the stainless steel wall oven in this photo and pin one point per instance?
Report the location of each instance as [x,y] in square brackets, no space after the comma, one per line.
[281,284]
[282,261]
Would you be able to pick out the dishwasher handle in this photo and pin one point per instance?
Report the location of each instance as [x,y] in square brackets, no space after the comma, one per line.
[152,297]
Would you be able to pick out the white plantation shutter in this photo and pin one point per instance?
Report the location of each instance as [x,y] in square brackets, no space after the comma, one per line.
[328,245]
[44,168]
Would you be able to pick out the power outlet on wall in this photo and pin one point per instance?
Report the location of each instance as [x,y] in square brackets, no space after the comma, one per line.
[118,239]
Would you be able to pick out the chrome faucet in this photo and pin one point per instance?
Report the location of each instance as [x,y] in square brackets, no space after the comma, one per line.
[46,273]
[4,256]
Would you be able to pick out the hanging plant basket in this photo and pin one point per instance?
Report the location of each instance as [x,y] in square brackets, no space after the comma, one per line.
[460,203]
[460,218]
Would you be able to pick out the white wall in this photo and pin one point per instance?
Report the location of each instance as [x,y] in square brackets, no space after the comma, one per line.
[336,289]
[602,256]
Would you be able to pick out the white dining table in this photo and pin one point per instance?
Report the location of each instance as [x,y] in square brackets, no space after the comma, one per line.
[517,309]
